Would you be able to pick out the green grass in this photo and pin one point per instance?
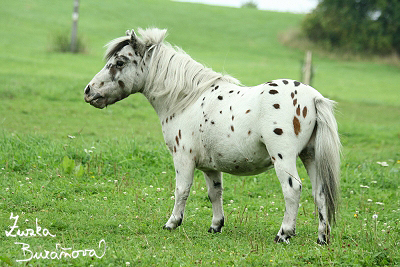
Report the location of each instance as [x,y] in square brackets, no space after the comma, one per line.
[114,180]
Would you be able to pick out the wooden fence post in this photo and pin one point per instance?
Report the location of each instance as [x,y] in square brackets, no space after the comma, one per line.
[74,33]
[307,68]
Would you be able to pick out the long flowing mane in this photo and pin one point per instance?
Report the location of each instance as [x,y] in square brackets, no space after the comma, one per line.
[173,74]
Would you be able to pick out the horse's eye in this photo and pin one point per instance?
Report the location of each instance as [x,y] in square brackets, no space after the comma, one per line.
[120,63]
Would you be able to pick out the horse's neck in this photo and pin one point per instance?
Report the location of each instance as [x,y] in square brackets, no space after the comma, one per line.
[160,106]
[163,110]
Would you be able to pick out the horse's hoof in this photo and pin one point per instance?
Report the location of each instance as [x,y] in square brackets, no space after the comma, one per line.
[322,242]
[165,227]
[213,230]
[279,239]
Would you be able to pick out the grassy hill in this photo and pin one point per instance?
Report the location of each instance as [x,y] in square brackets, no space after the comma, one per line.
[103,183]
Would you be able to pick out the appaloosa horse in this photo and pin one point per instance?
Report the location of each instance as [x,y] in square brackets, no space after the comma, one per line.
[212,123]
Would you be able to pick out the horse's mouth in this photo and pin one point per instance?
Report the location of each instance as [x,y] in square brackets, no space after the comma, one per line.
[97,101]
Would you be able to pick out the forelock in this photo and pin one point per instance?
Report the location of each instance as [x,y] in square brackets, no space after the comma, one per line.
[115,46]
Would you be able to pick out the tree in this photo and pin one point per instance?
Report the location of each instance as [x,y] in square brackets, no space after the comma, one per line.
[371,26]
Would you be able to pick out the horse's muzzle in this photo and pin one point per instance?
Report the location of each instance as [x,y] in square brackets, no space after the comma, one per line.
[96,99]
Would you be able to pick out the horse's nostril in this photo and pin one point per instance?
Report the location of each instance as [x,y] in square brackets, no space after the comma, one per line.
[87,89]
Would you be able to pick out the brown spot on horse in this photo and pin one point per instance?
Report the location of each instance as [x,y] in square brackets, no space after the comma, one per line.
[278,131]
[304,112]
[296,125]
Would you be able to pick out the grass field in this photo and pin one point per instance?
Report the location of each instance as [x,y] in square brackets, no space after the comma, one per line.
[86,174]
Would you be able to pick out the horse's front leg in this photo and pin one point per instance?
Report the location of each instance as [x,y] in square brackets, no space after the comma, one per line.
[184,179]
[214,185]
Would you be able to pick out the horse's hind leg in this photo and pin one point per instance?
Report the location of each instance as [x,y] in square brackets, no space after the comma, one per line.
[285,168]
[308,158]
[214,185]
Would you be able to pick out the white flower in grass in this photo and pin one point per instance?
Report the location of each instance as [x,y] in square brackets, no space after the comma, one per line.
[105,198]
[159,189]
[383,163]
[375,216]
[364,186]
[127,263]
[71,136]
[172,198]
[151,186]
[369,200]
[231,201]
[379,203]
[374,182]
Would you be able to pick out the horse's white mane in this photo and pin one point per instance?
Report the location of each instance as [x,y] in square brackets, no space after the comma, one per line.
[173,74]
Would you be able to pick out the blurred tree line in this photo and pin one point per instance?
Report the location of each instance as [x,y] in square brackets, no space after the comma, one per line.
[371,26]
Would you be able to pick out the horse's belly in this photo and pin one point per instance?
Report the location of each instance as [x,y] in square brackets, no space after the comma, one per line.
[238,159]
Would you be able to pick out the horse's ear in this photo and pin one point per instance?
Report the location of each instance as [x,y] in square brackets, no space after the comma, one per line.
[135,42]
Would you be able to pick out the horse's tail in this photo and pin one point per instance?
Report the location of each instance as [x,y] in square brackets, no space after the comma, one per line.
[327,154]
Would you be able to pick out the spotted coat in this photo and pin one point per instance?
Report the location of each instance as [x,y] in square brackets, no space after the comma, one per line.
[212,123]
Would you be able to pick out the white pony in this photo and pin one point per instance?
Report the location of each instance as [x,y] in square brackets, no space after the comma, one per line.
[212,123]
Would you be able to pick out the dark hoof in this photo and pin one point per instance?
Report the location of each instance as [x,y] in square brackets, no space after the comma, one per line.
[280,239]
[220,224]
[167,228]
[212,230]
[322,242]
